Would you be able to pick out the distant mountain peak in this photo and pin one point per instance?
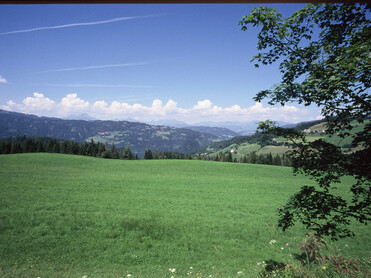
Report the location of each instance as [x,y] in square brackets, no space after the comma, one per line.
[84,117]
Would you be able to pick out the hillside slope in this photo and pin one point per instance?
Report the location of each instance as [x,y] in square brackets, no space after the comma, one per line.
[221,132]
[138,136]
[244,145]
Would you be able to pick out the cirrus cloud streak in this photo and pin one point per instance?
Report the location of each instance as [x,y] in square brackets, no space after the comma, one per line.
[203,110]
[75,24]
[96,67]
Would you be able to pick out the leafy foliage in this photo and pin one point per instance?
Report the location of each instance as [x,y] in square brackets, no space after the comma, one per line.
[331,69]
[336,66]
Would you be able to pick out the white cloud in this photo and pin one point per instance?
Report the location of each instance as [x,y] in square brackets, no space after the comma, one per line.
[75,24]
[171,105]
[39,101]
[3,80]
[203,105]
[204,110]
[319,117]
[38,104]
[100,85]
[157,107]
[93,67]
[71,103]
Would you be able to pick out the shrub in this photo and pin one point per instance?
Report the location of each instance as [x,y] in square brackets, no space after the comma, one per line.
[311,248]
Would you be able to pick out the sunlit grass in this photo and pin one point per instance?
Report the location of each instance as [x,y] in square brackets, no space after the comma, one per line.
[70,216]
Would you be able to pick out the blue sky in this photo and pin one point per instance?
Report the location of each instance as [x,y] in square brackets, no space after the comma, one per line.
[189,62]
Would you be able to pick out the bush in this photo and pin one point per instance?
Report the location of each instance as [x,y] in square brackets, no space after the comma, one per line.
[311,248]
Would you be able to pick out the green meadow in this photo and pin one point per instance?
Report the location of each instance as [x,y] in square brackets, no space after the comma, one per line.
[75,216]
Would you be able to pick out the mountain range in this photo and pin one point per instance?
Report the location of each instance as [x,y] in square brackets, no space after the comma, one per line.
[238,128]
[138,136]
[224,130]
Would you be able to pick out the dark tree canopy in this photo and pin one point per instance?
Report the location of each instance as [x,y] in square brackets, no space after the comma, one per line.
[324,55]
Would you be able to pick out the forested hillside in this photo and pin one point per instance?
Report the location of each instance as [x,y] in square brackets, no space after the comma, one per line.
[138,136]
[268,149]
[221,132]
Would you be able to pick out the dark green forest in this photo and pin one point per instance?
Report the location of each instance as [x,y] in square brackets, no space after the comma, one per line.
[24,144]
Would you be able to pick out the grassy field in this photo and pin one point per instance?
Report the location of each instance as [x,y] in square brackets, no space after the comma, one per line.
[247,148]
[74,216]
